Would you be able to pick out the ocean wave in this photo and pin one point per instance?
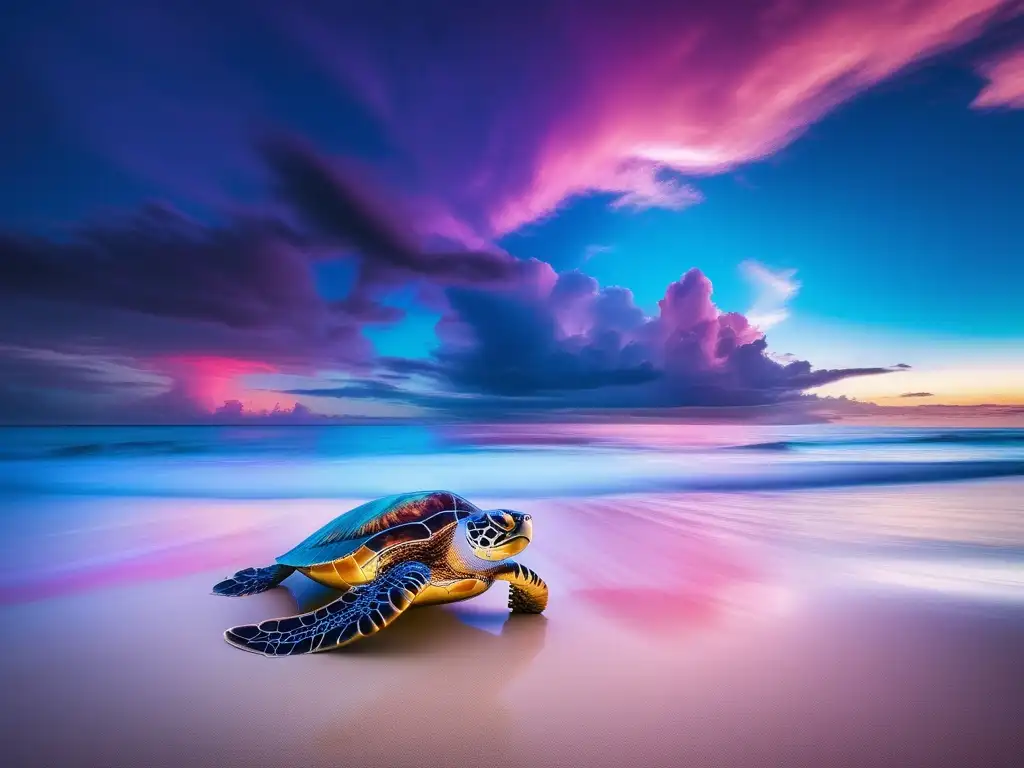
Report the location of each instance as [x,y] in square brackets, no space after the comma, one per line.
[126,448]
[522,474]
[981,437]
[328,443]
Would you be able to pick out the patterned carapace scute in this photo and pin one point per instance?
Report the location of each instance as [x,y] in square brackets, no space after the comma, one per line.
[344,534]
[360,612]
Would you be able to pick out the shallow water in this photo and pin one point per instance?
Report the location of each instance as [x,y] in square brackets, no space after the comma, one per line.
[699,614]
[520,461]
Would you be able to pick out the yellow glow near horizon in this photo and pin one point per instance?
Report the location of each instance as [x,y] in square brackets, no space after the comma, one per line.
[995,385]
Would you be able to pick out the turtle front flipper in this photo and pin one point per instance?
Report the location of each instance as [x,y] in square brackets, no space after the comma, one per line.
[252,581]
[527,592]
[360,612]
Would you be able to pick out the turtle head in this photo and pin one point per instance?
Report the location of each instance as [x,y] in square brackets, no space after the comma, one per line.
[497,534]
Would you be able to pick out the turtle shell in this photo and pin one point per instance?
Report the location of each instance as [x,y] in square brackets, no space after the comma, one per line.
[376,520]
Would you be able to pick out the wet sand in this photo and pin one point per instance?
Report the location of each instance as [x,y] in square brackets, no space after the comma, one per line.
[669,641]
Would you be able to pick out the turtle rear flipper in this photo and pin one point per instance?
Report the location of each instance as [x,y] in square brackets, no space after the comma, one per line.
[360,612]
[252,581]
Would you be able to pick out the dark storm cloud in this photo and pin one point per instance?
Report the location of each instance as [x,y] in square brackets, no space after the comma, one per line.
[332,202]
[579,337]
[406,367]
[44,387]
[47,388]
[340,205]
[571,344]
[517,349]
[372,389]
[337,205]
[157,284]
[196,302]
[160,263]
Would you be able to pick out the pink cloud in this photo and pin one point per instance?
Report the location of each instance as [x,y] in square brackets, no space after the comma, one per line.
[512,110]
[1005,87]
[209,381]
[535,105]
[704,91]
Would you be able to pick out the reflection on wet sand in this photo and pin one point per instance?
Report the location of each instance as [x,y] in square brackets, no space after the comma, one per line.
[444,693]
[456,683]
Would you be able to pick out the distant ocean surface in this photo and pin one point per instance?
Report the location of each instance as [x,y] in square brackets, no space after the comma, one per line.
[524,461]
[85,507]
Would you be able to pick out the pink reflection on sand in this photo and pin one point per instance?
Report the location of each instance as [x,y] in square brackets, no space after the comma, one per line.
[110,544]
[152,565]
[627,560]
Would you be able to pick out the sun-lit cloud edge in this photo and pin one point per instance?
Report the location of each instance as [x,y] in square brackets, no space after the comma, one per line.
[774,289]
[1005,87]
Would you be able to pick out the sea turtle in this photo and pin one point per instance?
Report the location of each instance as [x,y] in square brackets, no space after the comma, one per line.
[418,548]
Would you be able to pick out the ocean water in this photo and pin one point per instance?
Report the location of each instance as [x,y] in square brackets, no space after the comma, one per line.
[945,507]
[522,461]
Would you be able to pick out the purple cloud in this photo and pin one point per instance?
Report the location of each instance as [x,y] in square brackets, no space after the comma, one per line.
[200,305]
[507,112]
[493,115]
[568,343]
[516,108]
[158,284]
[341,205]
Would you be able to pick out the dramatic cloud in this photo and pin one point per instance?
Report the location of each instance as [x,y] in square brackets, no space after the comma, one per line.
[158,285]
[159,298]
[200,305]
[556,99]
[917,394]
[48,387]
[489,115]
[341,205]
[1005,77]
[197,307]
[567,343]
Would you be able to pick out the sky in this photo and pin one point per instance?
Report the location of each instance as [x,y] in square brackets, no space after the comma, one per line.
[476,210]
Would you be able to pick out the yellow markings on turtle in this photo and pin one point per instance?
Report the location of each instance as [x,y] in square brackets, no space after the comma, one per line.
[338,574]
[463,589]
[367,560]
[527,591]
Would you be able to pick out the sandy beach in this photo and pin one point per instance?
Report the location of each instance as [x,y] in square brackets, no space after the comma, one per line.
[680,632]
